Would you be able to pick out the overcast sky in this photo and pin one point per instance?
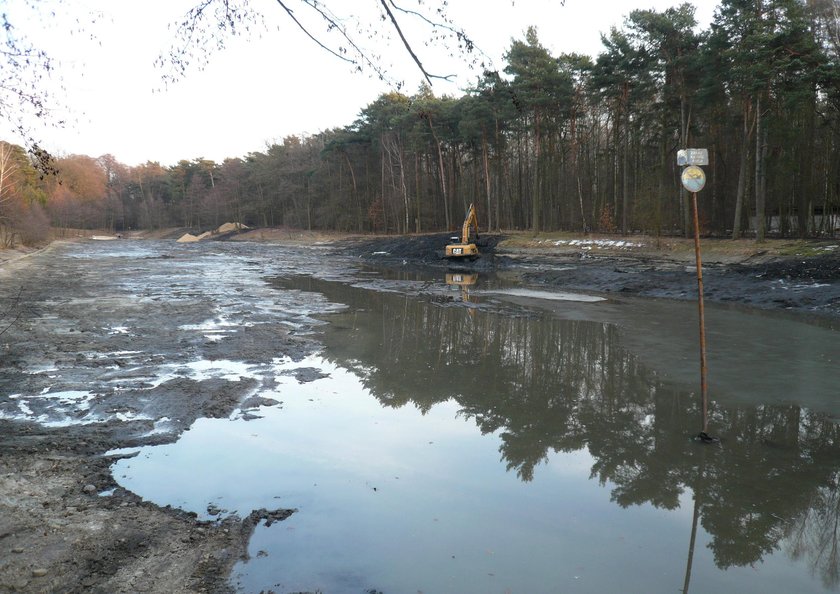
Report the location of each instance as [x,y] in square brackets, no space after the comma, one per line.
[260,90]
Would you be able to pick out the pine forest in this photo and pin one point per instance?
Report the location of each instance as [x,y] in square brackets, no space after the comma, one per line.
[548,143]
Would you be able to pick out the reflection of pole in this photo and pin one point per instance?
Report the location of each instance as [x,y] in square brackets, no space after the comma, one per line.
[691,542]
[703,391]
[695,518]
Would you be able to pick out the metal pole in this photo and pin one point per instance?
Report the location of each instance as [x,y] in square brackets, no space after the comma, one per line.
[703,391]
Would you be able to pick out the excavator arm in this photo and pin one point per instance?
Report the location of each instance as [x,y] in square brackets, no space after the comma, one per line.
[469,223]
[466,248]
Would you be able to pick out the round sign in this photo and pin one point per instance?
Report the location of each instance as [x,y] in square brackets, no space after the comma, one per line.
[693,178]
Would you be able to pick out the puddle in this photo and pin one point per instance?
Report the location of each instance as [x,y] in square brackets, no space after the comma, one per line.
[390,498]
[64,408]
[549,295]
[202,370]
[51,409]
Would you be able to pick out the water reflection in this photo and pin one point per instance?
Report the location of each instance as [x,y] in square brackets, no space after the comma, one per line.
[463,280]
[813,535]
[551,385]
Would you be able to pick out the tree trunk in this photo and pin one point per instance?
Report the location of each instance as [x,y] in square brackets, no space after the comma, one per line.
[742,171]
[417,192]
[486,161]
[685,128]
[403,189]
[576,169]
[739,196]
[805,192]
[625,174]
[616,155]
[760,173]
[500,160]
[442,174]
[536,202]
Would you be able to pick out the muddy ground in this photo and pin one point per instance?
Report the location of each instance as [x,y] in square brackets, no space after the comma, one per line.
[800,277]
[66,526]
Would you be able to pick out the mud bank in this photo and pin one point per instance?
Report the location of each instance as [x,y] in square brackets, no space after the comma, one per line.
[66,527]
[801,277]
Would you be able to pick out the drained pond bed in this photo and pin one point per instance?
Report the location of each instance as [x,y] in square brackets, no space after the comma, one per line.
[418,431]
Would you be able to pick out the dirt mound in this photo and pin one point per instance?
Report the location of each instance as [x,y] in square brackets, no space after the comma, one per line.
[426,250]
[813,269]
[228,227]
[222,232]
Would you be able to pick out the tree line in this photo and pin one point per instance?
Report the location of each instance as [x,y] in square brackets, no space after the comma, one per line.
[564,142]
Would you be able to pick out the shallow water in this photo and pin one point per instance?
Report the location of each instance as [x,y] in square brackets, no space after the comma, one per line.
[468,437]
[490,441]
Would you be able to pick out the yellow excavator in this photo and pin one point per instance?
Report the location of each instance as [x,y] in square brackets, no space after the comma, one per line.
[464,247]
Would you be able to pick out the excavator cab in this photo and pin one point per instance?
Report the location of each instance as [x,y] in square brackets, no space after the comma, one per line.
[464,247]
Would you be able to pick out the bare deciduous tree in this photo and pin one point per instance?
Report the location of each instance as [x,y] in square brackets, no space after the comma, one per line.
[8,167]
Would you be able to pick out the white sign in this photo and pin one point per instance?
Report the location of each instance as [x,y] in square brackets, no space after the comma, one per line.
[692,157]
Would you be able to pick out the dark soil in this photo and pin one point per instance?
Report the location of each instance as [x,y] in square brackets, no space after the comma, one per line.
[421,251]
[809,285]
[57,534]
[65,525]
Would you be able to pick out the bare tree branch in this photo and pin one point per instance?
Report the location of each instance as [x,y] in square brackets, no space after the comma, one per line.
[329,20]
[414,57]
[210,23]
[30,83]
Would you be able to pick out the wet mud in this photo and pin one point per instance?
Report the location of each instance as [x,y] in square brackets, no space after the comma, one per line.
[114,340]
[93,335]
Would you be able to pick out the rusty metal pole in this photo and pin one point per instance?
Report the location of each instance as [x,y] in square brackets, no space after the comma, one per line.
[703,390]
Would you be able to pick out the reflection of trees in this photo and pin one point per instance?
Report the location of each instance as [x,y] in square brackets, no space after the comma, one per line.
[545,385]
[814,533]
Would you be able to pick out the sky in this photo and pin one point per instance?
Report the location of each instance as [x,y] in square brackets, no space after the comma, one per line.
[262,89]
